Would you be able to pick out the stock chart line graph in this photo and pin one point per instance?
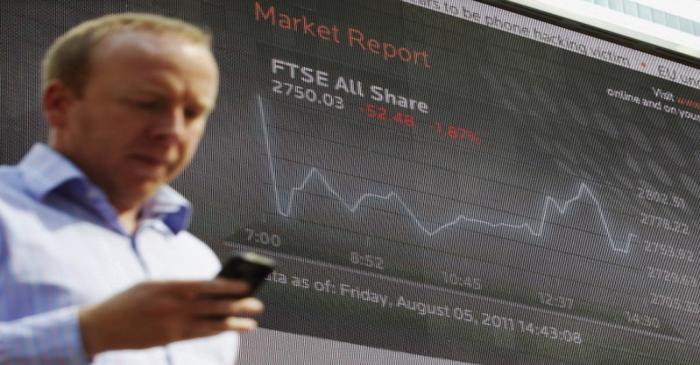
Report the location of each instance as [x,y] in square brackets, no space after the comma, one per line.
[536,230]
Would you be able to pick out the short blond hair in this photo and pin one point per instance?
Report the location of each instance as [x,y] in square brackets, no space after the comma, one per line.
[68,58]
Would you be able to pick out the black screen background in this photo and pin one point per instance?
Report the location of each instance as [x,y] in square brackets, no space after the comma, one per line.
[547,128]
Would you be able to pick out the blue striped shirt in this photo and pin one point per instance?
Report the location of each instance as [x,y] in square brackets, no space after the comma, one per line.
[62,247]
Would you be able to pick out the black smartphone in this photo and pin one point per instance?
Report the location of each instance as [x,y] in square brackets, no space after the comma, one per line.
[249,267]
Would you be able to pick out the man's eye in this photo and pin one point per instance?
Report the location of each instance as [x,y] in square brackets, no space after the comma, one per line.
[193,112]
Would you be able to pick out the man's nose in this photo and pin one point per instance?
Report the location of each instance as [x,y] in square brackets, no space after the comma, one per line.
[171,124]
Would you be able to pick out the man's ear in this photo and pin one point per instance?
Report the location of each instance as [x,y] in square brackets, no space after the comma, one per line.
[57,100]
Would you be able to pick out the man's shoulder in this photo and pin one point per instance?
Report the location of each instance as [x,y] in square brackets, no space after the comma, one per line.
[9,175]
[12,198]
[11,187]
[20,207]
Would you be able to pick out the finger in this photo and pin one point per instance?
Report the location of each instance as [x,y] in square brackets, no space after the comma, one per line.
[223,307]
[224,287]
[217,287]
[250,306]
[208,327]
[241,324]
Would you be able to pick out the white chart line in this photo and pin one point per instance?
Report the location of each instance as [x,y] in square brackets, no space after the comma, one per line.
[537,230]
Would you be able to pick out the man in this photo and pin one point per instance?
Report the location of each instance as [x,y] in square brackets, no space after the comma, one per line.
[95,263]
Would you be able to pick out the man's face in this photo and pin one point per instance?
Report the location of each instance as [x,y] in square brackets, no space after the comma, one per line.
[141,115]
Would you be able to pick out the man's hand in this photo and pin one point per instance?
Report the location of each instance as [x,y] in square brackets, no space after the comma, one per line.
[157,313]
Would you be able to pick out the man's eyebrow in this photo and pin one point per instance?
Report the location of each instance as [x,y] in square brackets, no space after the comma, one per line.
[156,92]
[138,92]
[204,102]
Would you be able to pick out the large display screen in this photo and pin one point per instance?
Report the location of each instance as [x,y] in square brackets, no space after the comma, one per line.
[441,182]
